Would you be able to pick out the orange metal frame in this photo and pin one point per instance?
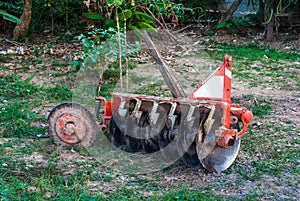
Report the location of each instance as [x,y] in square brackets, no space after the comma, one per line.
[228,135]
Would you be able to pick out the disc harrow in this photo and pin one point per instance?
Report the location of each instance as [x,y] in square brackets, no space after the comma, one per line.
[202,129]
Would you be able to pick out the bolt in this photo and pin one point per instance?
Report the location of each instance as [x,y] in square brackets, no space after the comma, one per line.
[69,129]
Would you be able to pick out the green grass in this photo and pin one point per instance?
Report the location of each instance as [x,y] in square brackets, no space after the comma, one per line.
[16,120]
[274,66]
[275,166]
[32,168]
[22,177]
[19,100]
[152,90]
[276,148]
[250,52]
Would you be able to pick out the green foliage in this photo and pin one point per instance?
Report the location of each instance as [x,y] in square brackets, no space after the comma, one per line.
[9,17]
[169,9]
[110,73]
[15,7]
[13,87]
[135,19]
[101,47]
[261,109]
[272,166]
[57,15]
[151,90]
[59,93]
[16,120]
[188,195]
[94,16]
[275,158]
[234,24]
[273,65]
[116,3]
[18,98]
[251,52]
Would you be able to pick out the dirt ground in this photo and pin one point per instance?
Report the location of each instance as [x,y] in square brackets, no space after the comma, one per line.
[286,105]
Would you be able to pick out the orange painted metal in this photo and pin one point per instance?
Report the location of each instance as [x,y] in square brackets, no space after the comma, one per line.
[70,127]
[228,135]
[108,109]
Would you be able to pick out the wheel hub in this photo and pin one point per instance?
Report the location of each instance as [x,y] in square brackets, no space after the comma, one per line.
[70,128]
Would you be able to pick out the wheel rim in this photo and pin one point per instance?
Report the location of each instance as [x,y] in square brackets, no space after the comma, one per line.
[70,128]
[72,124]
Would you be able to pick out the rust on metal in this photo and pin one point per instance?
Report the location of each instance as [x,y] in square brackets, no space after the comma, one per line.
[71,128]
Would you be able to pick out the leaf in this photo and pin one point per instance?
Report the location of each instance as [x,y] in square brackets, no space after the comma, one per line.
[228,25]
[221,25]
[136,31]
[245,23]
[148,27]
[125,15]
[28,80]
[110,2]
[236,22]
[9,17]
[119,2]
[233,30]
[143,16]
[114,2]
[109,23]
[94,16]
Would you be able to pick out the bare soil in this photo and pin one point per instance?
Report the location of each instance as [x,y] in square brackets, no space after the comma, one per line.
[286,105]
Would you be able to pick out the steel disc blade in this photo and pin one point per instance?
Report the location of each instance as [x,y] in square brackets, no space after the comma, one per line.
[115,134]
[220,158]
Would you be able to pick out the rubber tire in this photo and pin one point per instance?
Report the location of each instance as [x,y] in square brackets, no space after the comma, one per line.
[90,135]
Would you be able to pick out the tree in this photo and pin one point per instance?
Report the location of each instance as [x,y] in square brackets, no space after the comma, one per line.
[227,15]
[23,28]
[273,10]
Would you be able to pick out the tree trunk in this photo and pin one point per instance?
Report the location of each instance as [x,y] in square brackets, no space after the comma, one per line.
[269,18]
[270,29]
[227,15]
[23,28]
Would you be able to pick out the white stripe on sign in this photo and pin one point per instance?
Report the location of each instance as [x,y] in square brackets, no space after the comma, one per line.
[228,73]
[213,88]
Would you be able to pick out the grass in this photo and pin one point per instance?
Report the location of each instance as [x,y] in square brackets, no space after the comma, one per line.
[23,176]
[18,100]
[32,168]
[271,149]
[271,68]
[152,89]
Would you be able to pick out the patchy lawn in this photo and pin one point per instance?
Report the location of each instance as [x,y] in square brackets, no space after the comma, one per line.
[266,80]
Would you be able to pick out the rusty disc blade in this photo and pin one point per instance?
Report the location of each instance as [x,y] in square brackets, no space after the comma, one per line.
[219,159]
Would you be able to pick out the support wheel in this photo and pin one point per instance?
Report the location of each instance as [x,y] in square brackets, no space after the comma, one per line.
[71,124]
